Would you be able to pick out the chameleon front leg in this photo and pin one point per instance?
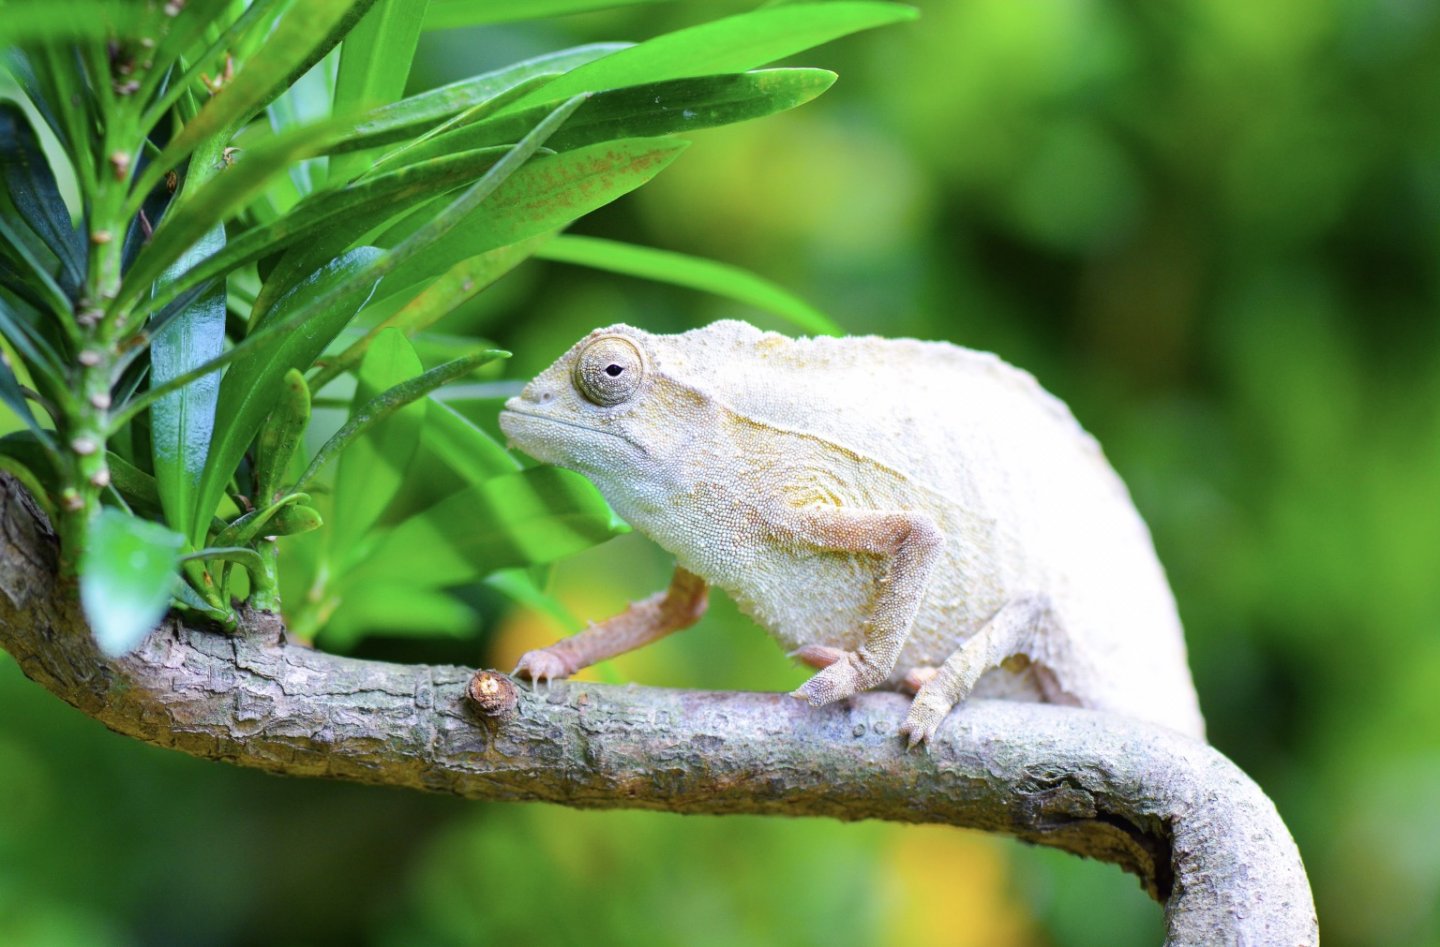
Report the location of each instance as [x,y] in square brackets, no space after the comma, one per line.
[679,606]
[912,544]
[1016,630]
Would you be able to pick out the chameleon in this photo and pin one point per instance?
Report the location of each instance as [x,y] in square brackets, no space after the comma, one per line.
[895,513]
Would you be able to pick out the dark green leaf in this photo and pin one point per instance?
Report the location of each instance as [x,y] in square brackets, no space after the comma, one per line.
[733,44]
[182,422]
[252,384]
[31,186]
[14,398]
[661,108]
[706,275]
[532,516]
[126,574]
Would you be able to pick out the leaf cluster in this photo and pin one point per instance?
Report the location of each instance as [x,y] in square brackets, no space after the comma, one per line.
[218,217]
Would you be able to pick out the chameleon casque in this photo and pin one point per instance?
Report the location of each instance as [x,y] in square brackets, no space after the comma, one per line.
[896,513]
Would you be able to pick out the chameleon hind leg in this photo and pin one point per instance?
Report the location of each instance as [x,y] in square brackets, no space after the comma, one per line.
[1022,628]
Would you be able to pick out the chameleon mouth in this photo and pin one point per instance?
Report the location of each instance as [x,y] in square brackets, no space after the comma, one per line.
[508,425]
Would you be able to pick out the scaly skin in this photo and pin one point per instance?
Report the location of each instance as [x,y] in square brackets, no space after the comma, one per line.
[903,514]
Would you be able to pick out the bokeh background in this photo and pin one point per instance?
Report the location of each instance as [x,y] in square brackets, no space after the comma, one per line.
[1211,226]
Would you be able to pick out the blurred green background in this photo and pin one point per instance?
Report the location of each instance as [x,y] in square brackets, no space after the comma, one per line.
[1211,226]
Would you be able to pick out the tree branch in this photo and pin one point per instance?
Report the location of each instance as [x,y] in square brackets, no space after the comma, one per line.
[1201,835]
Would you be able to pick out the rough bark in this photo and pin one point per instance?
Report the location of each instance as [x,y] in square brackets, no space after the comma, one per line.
[1201,835]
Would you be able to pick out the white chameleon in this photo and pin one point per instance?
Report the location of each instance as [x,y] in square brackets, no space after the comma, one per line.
[900,513]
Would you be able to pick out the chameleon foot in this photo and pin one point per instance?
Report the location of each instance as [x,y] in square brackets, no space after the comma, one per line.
[850,673]
[541,666]
[927,712]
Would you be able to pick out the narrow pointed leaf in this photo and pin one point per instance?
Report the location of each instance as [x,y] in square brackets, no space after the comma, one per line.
[547,194]
[252,384]
[281,433]
[182,423]
[31,186]
[734,44]
[650,110]
[664,266]
[382,439]
[461,283]
[14,399]
[349,211]
[405,119]
[374,64]
[126,575]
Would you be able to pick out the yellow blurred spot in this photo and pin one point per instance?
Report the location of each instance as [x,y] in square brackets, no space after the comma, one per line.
[954,890]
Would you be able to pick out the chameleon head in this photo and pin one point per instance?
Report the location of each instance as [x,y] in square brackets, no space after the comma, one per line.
[603,408]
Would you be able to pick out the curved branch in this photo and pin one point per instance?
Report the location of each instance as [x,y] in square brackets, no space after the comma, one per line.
[1200,834]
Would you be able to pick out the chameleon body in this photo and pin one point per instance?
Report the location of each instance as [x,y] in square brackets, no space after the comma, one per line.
[896,513]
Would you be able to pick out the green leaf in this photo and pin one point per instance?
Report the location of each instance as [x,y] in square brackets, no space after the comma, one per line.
[654,109]
[126,574]
[281,433]
[374,64]
[395,609]
[525,518]
[182,422]
[30,185]
[449,14]
[734,44]
[405,119]
[545,195]
[708,276]
[379,439]
[252,384]
[301,37]
[454,453]
[382,406]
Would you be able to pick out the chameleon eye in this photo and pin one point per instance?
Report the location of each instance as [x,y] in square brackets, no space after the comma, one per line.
[609,370]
